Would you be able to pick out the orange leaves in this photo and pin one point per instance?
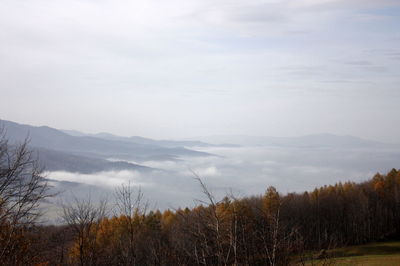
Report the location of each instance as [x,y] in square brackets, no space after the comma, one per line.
[271,201]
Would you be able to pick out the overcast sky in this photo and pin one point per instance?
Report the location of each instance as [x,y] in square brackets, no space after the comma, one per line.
[173,69]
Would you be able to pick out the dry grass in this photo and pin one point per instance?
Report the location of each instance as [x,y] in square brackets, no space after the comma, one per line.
[379,254]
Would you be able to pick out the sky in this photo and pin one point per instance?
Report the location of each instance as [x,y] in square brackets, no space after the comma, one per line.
[176,69]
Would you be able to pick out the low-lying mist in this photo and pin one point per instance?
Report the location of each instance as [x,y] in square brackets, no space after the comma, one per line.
[242,171]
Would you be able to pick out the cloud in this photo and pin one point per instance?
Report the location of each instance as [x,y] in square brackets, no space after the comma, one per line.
[245,171]
[203,172]
[358,63]
[376,69]
[105,179]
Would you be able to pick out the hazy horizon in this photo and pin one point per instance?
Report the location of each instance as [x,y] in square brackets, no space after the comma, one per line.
[165,170]
[204,138]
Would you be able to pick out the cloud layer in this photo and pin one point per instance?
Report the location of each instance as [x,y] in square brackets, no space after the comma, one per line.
[243,171]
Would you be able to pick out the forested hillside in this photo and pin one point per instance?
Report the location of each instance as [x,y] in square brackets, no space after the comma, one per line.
[271,229]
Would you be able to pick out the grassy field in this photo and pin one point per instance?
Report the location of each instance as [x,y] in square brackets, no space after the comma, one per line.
[379,253]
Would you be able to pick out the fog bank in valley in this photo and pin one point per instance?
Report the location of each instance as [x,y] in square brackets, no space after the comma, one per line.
[244,171]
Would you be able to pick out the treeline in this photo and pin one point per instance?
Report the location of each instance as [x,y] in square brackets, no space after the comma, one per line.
[267,230]
[271,229]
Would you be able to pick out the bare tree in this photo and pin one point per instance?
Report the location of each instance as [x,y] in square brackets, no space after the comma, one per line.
[130,202]
[22,188]
[214,223]
[84,218]
[133,208]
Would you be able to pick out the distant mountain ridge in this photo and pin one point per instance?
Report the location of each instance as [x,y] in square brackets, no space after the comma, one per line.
[307,141]
[61,151]
[148,141]
[60,161]
[74,151]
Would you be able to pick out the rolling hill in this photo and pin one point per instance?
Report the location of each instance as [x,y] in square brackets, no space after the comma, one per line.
[61,151]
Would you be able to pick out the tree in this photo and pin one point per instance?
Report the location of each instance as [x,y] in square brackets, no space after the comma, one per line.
[84,218]
[271,238]
[22,189]
[132,209]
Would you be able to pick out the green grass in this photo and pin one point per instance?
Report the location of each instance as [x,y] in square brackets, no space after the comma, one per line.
[378,253]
